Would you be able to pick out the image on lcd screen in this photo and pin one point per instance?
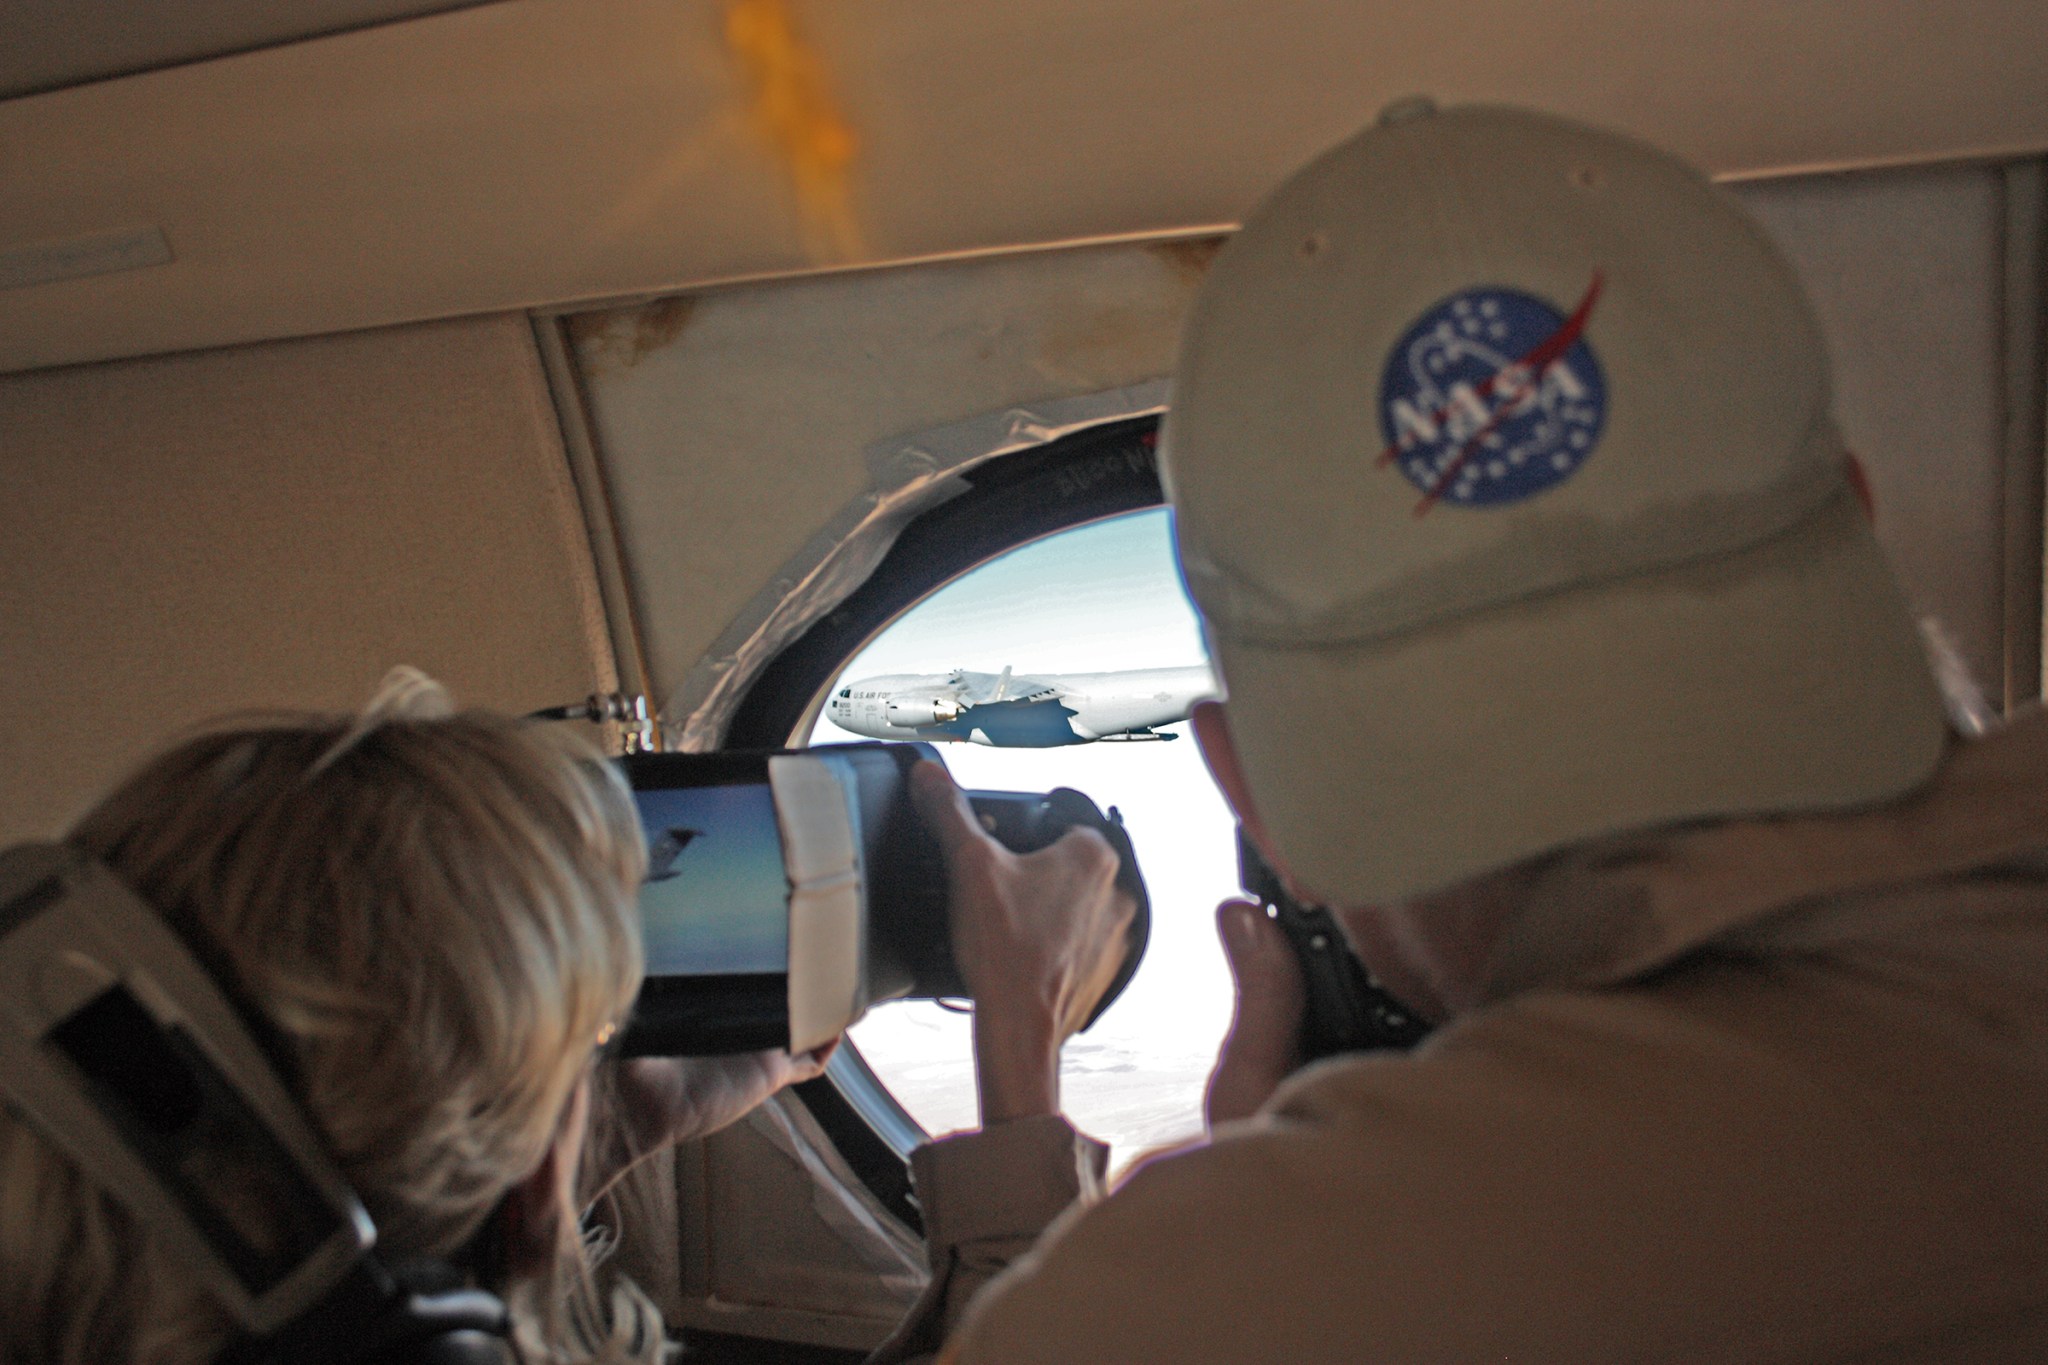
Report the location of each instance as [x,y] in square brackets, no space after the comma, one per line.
[716,901]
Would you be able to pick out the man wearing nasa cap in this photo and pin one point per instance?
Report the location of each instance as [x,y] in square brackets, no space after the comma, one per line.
[1563,665]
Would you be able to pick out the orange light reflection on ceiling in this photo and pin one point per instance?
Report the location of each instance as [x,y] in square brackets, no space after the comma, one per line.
[794,107]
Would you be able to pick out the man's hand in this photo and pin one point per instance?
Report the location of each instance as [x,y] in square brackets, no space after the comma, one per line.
[1038,938]
[1264,1044]
[654,1102]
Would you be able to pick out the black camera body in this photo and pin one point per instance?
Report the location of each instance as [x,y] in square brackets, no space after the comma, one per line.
[915,930]
[1347,1009]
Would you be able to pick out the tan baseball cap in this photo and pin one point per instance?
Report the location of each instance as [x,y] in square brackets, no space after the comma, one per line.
[1505,479]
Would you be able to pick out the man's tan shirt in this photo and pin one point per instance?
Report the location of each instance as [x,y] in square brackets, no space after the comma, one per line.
[1771,1090]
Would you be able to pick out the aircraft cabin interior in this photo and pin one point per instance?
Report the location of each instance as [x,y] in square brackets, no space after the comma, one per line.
[729,354]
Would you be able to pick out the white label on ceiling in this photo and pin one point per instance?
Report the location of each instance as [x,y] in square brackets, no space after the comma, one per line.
[95,253]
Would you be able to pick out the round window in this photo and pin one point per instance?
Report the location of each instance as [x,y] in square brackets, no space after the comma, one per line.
[1052,581]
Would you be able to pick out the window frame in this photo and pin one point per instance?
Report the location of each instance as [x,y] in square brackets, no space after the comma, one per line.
[1010,502]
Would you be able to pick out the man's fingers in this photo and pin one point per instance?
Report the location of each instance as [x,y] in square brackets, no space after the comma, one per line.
[1265,1034]
[1262,963]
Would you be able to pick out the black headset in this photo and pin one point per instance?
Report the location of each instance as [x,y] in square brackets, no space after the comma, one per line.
[121,1048]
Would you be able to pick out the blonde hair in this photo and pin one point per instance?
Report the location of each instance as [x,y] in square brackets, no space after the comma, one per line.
[434,910]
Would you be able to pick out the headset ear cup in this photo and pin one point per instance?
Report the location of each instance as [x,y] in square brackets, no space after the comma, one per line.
[454,1327]
[466,1346]
[406,1326]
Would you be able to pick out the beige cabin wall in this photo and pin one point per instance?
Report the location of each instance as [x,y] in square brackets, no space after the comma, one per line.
[275,526]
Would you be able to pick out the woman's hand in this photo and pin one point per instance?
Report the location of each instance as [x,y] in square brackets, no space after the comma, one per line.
[1038,938]
[647,1103]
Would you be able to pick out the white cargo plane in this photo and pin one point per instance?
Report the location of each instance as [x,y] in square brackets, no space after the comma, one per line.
[1040,711]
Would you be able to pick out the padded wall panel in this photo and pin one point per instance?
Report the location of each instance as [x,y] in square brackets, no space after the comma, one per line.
[734,423]
[277,526]
[1906,271]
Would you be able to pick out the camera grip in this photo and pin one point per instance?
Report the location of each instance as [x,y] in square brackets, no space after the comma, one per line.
[1347,1011]
[1022,822]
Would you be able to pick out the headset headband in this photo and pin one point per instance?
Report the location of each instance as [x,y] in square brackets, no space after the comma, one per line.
[120,1048]
[117,1044]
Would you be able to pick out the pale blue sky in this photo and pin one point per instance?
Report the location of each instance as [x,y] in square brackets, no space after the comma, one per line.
[1104,596]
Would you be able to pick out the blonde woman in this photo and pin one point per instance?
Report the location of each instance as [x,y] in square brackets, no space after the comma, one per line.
[434,911]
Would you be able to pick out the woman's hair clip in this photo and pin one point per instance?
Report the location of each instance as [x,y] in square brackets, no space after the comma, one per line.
[406,694]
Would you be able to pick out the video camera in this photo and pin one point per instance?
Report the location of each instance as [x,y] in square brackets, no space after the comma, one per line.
[789,890]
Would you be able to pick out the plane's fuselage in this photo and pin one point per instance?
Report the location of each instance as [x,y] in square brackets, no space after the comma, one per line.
[1036,711]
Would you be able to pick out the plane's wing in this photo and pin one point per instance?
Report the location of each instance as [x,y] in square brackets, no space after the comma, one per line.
[986,689]
[1021,690]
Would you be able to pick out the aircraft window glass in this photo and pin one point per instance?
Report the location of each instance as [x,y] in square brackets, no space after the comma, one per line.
[1103,598]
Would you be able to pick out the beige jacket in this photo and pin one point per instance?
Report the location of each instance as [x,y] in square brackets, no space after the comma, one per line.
[1767,1091]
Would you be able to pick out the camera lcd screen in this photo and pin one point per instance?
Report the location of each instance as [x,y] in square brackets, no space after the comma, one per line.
[716,900]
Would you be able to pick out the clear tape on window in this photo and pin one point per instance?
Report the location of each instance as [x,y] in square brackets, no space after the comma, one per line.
[907,475]
[1970,711]
[841,1200]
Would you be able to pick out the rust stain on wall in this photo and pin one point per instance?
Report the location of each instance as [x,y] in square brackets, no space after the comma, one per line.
[660,323]
[626,336]
[794,106]
[1188,259]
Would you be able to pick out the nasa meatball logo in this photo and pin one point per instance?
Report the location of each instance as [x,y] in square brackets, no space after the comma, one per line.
[1491,397]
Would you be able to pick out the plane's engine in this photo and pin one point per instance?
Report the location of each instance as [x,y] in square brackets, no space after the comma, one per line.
[911,712]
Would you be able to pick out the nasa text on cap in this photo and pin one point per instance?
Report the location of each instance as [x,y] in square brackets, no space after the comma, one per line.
[1491,397]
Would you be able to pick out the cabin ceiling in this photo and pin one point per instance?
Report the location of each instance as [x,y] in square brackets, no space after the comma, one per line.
[539,153]
[49,44]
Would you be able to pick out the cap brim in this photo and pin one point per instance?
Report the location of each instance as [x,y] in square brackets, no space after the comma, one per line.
[1783,678]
